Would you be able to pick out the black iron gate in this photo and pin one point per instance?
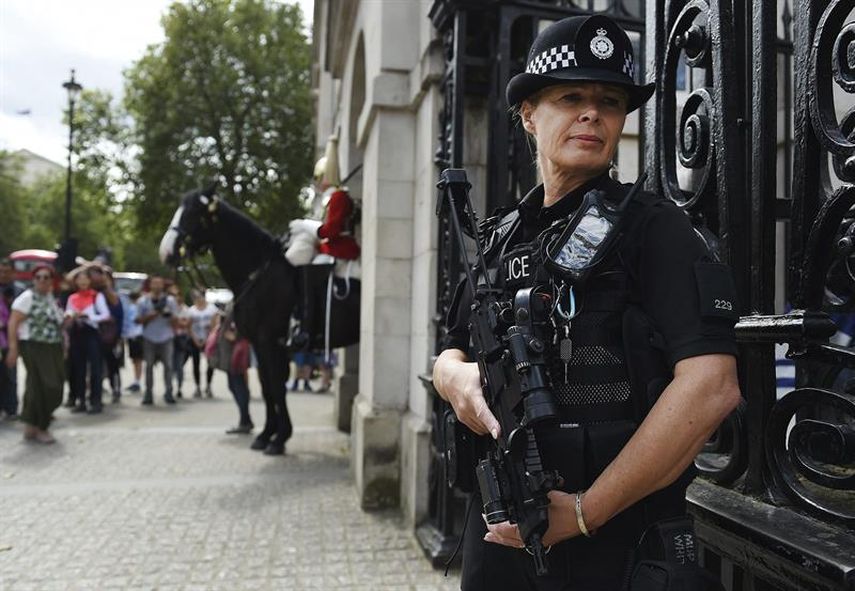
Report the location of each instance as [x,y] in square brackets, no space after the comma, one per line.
[751,132]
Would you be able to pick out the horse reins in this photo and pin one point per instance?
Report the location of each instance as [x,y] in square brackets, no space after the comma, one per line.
[253,276]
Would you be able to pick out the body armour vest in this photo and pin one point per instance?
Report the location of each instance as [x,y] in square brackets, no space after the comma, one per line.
[594,386]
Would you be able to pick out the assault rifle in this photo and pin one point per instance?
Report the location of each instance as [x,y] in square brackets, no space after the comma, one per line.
[509,342]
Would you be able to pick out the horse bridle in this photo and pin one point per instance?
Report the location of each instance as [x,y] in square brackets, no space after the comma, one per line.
[212,204]
[186,252]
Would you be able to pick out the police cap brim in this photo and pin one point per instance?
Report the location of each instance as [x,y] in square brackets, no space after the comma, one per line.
[524,85]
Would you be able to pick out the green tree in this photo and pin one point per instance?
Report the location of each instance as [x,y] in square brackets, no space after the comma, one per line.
[104,146]
[12,204]
[225,96]
[93,225]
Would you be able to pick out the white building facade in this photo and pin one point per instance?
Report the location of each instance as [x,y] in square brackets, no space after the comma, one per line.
[376,70]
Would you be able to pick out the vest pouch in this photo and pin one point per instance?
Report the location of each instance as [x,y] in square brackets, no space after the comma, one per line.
[603,443]
[562,448]
[668,559]
[659,575]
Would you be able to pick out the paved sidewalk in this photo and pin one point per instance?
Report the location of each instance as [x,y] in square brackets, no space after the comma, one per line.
[161,498]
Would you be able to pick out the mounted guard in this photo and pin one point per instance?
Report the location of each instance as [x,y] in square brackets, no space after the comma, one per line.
[325,249]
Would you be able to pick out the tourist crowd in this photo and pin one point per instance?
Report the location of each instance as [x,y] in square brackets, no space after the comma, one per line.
[79,330]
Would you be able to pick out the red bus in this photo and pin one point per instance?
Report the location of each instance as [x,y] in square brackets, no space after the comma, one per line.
[23,262]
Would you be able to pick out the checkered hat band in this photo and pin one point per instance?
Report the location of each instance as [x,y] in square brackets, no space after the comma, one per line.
[628,66]
[552,59]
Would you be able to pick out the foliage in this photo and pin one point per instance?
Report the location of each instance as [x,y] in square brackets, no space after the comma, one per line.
[226,95]
[34,217]
[12,204]
[104,145]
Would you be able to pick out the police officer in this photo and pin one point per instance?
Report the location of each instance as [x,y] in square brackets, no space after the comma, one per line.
[626,437]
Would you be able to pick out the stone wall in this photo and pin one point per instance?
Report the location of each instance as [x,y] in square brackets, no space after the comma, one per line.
[376,85]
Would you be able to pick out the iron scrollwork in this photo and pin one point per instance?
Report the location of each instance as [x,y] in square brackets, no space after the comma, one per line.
[824,254]
[725,456]
[696,146]
[815,464]
[447,254]
[833,58]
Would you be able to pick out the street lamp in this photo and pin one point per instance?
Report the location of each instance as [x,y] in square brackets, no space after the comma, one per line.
[73,89]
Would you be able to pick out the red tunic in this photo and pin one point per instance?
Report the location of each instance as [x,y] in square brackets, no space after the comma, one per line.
[336,233]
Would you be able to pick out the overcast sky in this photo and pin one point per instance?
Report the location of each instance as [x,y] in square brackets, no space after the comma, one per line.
[41,40]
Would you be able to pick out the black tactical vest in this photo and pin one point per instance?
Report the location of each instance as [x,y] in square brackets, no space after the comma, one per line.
[595,385]
[602,395]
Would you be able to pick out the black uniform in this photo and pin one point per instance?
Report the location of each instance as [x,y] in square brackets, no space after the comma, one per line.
[659,276]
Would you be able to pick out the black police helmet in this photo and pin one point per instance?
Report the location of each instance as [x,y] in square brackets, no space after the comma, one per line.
[580,49]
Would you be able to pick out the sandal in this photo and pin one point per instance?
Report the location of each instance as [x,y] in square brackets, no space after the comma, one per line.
[45,437]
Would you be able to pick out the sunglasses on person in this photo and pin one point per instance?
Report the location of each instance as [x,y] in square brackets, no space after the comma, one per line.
[42,276]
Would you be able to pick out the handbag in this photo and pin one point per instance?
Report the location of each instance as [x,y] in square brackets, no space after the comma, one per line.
[108,331]
[211,342]
[240,356]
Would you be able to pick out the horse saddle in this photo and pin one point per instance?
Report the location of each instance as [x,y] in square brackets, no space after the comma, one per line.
[333,307]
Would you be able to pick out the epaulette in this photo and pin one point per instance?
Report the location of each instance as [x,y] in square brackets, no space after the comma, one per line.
[493,230]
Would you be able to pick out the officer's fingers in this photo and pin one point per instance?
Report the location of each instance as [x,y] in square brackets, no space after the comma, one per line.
[504,529]
[482,412]
[466,415]
[494,539]
[504,533]
[464,402]
[474,425]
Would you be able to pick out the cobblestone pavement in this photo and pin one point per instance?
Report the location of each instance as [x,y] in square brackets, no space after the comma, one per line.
[160,498]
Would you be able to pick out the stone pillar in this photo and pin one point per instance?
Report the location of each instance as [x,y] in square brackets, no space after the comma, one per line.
[416,426]
[346,386]
[384,352]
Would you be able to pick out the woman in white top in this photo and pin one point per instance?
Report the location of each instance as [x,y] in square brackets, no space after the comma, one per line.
[35,332]
[86,309]
[201,316]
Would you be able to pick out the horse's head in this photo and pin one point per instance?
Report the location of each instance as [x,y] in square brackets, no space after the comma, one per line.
[191,230]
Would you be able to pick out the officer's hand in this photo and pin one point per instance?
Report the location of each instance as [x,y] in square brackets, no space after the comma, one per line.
[562,524]
[467,399]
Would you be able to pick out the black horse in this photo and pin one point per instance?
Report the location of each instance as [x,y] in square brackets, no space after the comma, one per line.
[266,287]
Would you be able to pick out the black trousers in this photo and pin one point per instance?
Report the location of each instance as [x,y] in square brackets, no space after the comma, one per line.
[196,355]
[112,363]
[580,564]
[85,351]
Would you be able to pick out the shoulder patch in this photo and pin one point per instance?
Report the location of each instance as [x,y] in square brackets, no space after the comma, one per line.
[716,291]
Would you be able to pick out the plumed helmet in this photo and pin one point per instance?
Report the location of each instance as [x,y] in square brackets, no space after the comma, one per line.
[326,168]
[320,168]
[580,49]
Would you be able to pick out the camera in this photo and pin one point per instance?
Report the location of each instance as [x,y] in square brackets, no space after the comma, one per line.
[160,307]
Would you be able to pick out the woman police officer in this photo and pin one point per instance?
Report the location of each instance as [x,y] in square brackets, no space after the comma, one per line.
[573,100]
